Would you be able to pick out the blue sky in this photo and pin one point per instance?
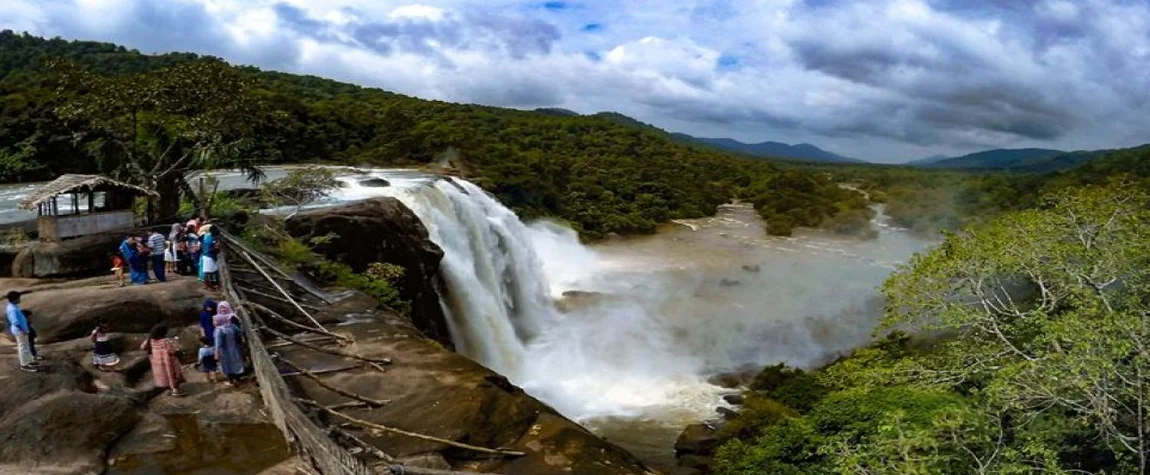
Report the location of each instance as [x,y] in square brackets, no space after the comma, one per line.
[884,80]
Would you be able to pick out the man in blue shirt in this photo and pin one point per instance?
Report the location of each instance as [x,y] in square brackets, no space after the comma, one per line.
[18,325]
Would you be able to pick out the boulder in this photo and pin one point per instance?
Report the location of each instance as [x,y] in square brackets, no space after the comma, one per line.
[68,313]
[212,430]
[86,255]
[729,282]
[64,432]
[735,399]
[698,439]
[375,183]
[753,268]
[734,379]
[700,463]
[577,299]
[726,412]
[435,391]
[62,375]
[382,230]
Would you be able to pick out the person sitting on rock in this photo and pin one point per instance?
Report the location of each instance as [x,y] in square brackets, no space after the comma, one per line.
[228,344]
[166,370]
[103,356]
[18,325]
[206,360]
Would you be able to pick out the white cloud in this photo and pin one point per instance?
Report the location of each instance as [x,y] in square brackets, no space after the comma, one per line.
[877,78]
[417,12]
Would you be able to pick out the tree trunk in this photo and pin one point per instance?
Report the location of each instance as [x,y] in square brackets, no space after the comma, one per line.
[166,205]
[197,201]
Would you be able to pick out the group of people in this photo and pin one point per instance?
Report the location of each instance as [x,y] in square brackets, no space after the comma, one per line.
[221,355]
[189,249]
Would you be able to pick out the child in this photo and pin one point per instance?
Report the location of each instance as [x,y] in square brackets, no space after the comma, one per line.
[103,356]
[170,258]
[118,265]
[206,361]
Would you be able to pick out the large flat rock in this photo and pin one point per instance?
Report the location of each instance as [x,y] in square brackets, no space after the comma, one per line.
[69,313]
[438,392]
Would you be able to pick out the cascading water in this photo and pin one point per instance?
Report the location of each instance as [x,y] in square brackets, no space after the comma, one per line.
[497,296]
[656,316]
[609,359]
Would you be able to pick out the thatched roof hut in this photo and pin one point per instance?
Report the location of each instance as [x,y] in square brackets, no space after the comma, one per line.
[79,185]
[92,204]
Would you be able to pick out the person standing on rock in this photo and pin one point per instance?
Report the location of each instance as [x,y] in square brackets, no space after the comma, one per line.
[18,325]
[229,344]
[137,270]
[157,245]
[166,370]
[209,253]
[179,246]
[192,250]
[207,317]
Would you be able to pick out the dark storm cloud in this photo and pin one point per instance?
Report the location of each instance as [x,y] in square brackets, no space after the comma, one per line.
[993,68]
[885,75]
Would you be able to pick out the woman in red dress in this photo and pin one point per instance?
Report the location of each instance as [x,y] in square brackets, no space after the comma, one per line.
[166,370]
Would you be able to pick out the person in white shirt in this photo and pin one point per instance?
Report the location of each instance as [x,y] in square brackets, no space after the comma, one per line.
[156,242]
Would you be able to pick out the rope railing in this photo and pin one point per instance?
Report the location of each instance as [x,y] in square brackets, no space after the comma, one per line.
[312,442]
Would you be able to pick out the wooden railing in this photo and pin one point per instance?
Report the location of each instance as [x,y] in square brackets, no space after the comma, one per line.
[311,442]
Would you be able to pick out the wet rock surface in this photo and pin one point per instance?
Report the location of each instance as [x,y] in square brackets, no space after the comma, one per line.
[437,392]
[382,230]
[67,313]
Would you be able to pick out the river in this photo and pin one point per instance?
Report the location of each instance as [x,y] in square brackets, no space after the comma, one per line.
[653,318]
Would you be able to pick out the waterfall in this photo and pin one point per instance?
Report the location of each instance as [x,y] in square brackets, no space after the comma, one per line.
[498,295]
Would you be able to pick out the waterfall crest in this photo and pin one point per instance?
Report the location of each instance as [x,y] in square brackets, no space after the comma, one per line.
[498,294]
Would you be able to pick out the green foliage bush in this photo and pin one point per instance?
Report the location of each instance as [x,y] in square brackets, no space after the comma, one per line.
[796,388]
[1029,355]
[376,286]
[757,413]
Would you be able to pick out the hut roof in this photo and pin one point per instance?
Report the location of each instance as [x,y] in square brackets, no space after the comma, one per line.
[71,183]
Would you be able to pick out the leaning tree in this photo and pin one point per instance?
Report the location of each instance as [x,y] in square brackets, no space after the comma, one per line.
[153,128]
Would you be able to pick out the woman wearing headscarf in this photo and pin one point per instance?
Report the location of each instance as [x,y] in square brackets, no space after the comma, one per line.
[192,249]
[207,317]
[166,371]
[229,343]
[137,263]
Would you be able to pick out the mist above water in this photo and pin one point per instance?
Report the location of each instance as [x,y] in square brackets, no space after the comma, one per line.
[654,317]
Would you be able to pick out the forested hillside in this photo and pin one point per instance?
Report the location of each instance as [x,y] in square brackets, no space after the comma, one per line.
[602,176]
[931,200]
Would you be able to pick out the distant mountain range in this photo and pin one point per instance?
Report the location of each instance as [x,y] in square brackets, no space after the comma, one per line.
[1036,160]
[802,152]
[1026,160]
[928,160]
